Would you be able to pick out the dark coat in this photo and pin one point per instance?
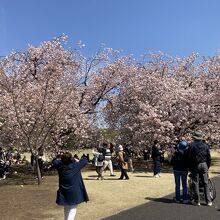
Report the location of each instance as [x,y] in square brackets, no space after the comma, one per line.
[156,153]
[179,160]
[128,150]
[198,153]
[71,190]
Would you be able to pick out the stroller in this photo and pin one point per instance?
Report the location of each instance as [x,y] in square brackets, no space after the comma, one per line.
[211,187]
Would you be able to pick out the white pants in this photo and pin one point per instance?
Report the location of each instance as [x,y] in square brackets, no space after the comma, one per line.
[69,212]
[108,163]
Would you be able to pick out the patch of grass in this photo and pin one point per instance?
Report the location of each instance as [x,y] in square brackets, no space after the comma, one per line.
[107,197]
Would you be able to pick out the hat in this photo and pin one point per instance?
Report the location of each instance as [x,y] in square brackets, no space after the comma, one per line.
[120,147]
[182,145]
[197,135]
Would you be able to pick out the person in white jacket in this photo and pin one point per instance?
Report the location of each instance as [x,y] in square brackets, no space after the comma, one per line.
[98,162]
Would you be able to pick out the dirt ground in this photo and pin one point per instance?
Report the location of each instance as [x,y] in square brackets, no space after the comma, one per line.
[25,201]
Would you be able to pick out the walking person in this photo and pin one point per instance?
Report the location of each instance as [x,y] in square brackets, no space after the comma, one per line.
[107,159]
[122,164]
[155,154]
[180,170]
[200,161]
[71,190]
[98,162]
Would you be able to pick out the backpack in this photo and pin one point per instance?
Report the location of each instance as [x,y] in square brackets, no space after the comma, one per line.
[100,158]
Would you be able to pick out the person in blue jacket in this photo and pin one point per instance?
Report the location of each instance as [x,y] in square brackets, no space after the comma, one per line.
[180,170]
[71,190]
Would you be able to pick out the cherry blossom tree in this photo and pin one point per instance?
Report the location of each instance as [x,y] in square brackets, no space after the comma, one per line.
[52,96]
[165,99]
[49,94]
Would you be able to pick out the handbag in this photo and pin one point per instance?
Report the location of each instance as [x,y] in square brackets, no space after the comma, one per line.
[100,158]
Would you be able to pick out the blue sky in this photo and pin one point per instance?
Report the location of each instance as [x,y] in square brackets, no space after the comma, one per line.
[176,27]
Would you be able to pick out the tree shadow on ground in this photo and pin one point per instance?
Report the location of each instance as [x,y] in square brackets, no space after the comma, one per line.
[163,200]
[23,175]
[90,179]
[143,166]
[86,178]
[214,172]
[144,176]
[17,180]
[93,176]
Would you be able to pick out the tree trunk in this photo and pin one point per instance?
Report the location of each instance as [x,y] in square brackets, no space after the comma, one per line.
[38,172]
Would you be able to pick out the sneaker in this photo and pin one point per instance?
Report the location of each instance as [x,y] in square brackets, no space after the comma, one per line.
[186,201]
[156,176]
[209,204]
[159,174]
[195,203]
[175,200]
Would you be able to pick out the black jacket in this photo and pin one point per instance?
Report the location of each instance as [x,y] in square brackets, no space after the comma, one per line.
[179,160]
[128,151]
[199,153]
[156,153]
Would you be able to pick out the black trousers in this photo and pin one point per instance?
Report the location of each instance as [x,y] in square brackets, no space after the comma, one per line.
[98,170]
[123,174]
[156,167]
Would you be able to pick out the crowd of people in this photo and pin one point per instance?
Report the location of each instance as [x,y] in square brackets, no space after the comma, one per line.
[191,157]
[7,158]
[187,157]
[108,155]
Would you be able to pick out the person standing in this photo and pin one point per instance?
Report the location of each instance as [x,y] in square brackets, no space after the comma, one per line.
[199,162]
[122,164]
[129,152]
[180,170]
[155,154]
[71,190]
